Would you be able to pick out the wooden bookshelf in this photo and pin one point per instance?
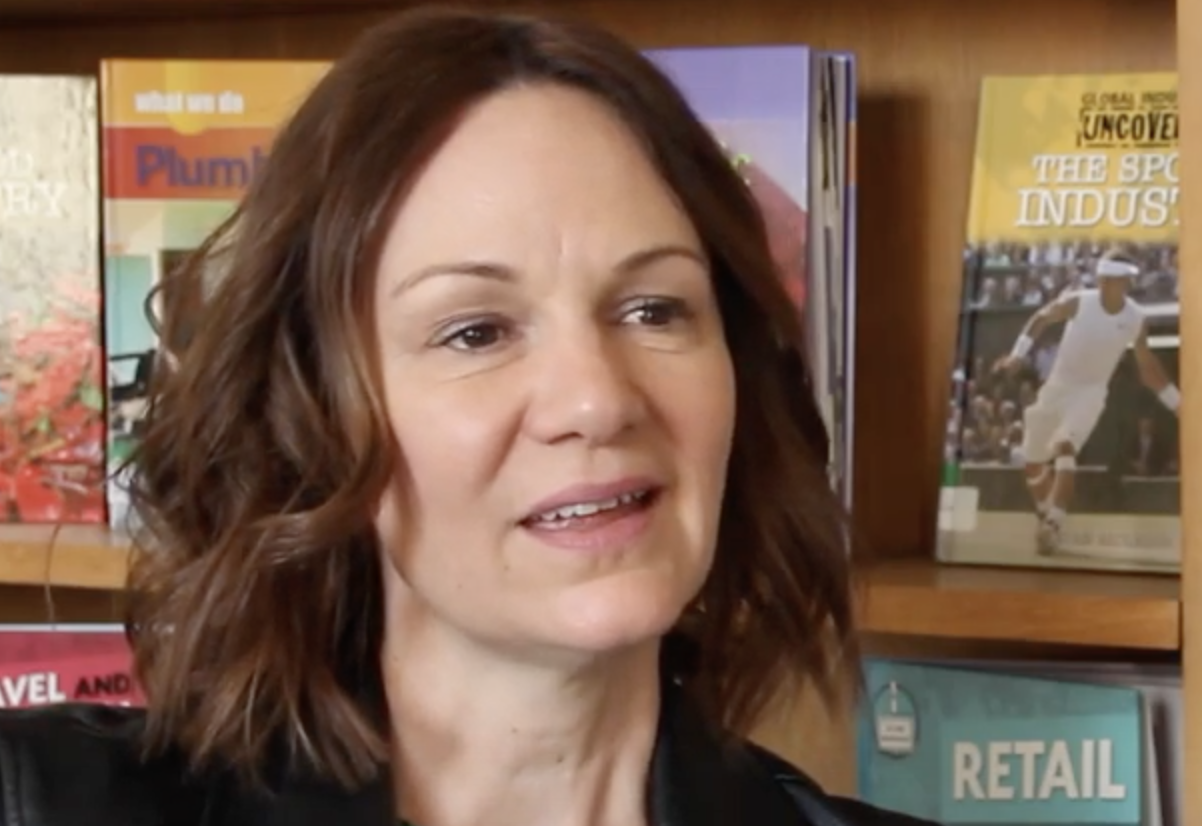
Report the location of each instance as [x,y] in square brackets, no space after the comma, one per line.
[918,79]
[920,598]
[71,556]
[53,11]
[921,62]
[1189,68]
[914,597]
[28,603]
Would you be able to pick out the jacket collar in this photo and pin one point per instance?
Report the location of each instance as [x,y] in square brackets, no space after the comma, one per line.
[702,777]
[698,777]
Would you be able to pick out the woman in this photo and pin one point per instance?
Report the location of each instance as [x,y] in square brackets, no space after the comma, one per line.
[484,486]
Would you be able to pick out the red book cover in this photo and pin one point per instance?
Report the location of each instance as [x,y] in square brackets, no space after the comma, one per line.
[43,667]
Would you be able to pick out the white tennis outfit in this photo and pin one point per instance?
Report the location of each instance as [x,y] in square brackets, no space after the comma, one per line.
[1073,396]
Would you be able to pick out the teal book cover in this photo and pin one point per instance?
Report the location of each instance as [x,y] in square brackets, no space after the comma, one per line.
[962,746]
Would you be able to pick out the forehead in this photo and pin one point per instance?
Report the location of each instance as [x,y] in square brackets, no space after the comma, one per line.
[537,163]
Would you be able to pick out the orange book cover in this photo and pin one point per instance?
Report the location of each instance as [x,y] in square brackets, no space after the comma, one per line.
[182,139]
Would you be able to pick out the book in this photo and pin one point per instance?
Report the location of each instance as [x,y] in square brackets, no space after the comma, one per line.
[785,115]
[1062,438]
[966,746]
[52,442]
[182,141]
[1161,687]
[51,664]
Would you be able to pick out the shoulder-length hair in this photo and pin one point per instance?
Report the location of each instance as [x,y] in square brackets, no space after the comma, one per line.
[255,610]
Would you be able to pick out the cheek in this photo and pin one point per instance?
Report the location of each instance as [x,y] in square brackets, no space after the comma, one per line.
[452,436]
[448,455]
[697,409]
[705,412]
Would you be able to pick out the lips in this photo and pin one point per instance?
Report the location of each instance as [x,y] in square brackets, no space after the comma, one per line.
[588,502]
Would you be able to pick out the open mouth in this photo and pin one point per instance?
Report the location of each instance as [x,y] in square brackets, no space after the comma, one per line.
[583,515]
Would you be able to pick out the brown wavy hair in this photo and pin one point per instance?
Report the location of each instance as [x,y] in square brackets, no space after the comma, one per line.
[255,608]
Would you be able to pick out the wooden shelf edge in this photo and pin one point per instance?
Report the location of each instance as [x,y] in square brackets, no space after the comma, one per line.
[68,556]
[911,597]
[67,12]
[922,598]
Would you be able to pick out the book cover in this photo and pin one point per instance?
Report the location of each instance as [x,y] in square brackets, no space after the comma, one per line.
[963,746]
[756,100]
[785,115]
[1161,687]
[1062,437]
[841,68]
[52,444]
[44,665]
[182,140]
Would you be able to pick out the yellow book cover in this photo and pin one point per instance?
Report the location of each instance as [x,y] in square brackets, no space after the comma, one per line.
[182,139]
[1062,437]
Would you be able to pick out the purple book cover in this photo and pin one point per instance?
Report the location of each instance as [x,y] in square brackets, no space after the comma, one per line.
[756,101]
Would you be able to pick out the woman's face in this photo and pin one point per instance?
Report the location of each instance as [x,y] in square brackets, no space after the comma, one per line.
[557,380]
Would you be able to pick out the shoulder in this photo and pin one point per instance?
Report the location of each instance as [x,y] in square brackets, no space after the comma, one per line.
[820,808]
[1076,297]
[703,776]
[1067,303]
[77,763]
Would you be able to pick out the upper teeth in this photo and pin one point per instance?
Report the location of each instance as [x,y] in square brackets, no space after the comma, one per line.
[589,508]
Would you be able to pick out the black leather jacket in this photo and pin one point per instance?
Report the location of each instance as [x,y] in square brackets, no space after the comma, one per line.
[77,765]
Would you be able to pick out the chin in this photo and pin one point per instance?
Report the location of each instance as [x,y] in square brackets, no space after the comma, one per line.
[617,612]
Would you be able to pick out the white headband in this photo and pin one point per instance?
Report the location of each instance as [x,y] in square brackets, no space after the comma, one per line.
[1119,269]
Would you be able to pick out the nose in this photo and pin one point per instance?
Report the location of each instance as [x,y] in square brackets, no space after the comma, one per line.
[585,388]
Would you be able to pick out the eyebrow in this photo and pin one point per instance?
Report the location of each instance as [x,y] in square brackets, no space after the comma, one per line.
[500,272]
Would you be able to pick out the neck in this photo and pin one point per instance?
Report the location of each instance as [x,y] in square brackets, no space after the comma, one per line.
[483,739]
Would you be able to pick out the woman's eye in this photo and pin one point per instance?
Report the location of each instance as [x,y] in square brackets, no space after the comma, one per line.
[656,312]
[475,335]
